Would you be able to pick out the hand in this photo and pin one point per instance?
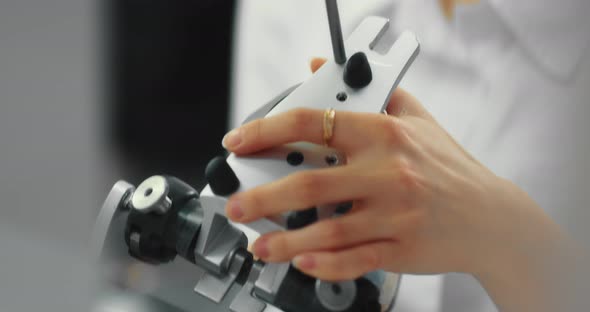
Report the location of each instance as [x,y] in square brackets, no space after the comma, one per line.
[421,203]
[448,6]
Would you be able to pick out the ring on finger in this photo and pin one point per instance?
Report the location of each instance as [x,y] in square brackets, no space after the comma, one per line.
[328,125]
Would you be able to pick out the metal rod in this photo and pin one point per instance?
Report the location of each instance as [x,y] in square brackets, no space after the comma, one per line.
[336,32]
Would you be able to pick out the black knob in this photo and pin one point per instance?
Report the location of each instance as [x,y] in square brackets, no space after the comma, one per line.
[221,177]
[158,236]
[358,73]
[300,219]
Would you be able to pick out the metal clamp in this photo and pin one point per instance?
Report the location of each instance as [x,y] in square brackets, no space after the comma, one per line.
[244,300]
[215,251]
[270,280]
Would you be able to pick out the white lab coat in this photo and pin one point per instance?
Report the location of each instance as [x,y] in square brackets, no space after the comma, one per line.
[509,79]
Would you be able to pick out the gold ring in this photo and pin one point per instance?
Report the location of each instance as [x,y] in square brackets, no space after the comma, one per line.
[329,117]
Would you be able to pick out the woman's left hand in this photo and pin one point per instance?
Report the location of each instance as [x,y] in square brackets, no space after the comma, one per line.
[421,203]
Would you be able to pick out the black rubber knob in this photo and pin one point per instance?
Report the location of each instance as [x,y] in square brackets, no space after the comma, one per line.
[358,73]
[221,177]
[301,219]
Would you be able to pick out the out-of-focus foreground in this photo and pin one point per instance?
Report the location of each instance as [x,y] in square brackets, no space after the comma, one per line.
[76,94]
[49,152]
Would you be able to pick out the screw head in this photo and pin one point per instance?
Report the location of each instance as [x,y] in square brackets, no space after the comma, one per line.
[336,296]
[332,160]
[295,158]
[152,196]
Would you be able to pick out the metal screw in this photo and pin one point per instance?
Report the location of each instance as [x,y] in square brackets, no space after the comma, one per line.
[152,196]
[332,160]
[341,96]
[336,296]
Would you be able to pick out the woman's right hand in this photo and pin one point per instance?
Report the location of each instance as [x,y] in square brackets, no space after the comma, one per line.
[422,204]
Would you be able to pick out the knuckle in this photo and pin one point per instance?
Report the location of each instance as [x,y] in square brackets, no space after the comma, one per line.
[253,133]
[335,268]
[371,259]
[280,244]
[309,187]
[395,163]
[334,232]
[407,177]
[331,269]
[390,130]
[254,204]
[302,118]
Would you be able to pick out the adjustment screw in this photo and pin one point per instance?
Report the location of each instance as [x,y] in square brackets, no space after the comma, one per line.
[336,296]
[332,160]
[152,196]
[295,158]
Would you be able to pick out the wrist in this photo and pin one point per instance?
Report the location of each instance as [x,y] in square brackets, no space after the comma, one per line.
[521,268]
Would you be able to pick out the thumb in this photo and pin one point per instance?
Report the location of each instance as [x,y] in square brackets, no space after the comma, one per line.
[402,103]
[316,63]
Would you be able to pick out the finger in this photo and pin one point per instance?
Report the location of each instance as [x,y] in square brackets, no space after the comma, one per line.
[403,103]
[302,190]
[316,63]
[349,263]
[361,226]
[352,132]
[448,8]
[366,225]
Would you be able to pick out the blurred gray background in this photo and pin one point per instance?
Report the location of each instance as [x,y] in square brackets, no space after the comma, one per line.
[49,152]
[65,127]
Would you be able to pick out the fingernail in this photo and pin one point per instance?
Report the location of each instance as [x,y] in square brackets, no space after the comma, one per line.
[232,139]
[304,262]
[235,210]
[261,248]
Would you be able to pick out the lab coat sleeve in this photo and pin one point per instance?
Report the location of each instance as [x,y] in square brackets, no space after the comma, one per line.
[555,32]
[542,145]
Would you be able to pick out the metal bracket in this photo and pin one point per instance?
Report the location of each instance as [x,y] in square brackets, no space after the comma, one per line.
[270,280]
[215,288]
[110,213]
[244,301]
[218,239]
[215,251]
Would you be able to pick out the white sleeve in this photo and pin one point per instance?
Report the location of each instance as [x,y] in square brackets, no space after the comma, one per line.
[541,141]
[554,32]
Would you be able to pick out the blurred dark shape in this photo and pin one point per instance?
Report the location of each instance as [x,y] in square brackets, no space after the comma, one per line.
[168,81]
